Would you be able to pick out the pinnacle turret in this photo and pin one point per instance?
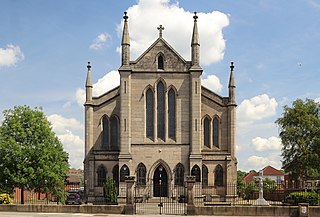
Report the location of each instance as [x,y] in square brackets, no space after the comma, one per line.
[195,43]
[89,85]
[232,86]
[125,43]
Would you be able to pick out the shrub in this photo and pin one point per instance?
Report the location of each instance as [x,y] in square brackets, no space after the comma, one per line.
[304,197]
[110,191]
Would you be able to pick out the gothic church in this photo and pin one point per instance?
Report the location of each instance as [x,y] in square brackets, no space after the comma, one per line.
[160,124]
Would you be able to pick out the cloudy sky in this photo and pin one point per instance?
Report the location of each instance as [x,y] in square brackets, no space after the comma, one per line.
[45,47]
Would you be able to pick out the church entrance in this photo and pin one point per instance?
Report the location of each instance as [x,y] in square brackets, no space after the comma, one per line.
[160,182]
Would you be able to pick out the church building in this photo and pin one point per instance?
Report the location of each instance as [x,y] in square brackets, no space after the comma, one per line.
[160,124]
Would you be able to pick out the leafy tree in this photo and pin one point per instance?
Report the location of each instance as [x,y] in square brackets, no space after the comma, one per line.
[110,190]
[300,136]
[32,157]
[240,182]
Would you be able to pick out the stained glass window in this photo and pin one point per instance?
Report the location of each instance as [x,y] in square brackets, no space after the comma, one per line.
[206,132]
[149,114]
[195,171]
[141,174]
[102,174]
[218,181]
[105,132]
[114,131]
[160,110]
[215,126]
[204,175]
[172,114]
[179,176]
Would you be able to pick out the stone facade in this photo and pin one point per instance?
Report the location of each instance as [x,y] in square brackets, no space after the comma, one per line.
[181,123]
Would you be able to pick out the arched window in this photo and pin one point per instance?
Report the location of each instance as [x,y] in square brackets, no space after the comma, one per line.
[179,176]
[160,110]
[114,132]
[149,113]
[204,175]
[160,62]
[124,171]
[115,174]
[102,174]
[215,131]
[141,174]
[195,171]
[172,114]
[206,132]
[105,132]
[218,178]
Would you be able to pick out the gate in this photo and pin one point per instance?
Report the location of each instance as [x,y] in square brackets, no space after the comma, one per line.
[160,199]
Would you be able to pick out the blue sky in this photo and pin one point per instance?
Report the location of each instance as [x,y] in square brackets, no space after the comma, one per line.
[45,46]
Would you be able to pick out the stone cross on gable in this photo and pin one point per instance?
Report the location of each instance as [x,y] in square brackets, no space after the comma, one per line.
[160,28]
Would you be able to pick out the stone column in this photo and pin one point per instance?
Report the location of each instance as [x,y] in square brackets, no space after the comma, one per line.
[129,209]
[190,180]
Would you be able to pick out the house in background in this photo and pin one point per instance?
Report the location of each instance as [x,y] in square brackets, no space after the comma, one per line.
[268,172]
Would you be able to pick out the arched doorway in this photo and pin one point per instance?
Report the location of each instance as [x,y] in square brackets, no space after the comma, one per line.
[160,182]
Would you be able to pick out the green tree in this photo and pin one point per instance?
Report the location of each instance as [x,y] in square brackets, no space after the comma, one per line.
[240,182]
[110,190]
[32,157]
[300,136]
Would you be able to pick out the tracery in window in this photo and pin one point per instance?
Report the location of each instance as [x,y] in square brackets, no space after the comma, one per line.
[195,171]
[160,110]
[218,181]
[149,113]
[215,131]
[102,174]
[204,175]
[124,171]
[114,132]
[141,174]
[206,132]
[179,175]
[172,114]
[105,132]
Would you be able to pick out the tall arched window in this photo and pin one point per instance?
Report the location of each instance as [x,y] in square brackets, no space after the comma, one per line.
[218,178]
[114,132]
[141,174]
[115,174]
[160,62]
[172,114]
[195,171]
[149,113]
[102,174]
[179,176]
[204,175]
[215,131]
[160,110]
[124,171]
[105,132]
[206,132]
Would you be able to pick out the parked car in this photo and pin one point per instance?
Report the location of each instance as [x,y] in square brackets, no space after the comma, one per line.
[75,196]
[5,198]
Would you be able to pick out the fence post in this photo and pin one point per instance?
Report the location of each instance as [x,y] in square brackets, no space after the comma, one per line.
[129,199]
[190,180]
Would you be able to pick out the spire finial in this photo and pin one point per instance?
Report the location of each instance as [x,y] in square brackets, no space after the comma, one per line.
[125,17]
[232,66]
[88,66]
[195,17]
[160,28]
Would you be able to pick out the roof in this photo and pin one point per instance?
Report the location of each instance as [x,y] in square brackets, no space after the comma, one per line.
[271,171]
[248,178]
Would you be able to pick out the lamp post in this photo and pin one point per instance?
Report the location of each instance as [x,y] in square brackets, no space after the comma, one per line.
[45,182]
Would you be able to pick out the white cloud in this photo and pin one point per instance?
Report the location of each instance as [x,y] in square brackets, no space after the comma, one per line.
[256,108]
[213,83]
[10,55]
[103,85]
[99,41]
[257,162]
[317,100]
[68,131]
[145,17]
[262,144]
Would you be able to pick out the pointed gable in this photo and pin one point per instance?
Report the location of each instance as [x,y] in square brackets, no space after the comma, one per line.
[172,60]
